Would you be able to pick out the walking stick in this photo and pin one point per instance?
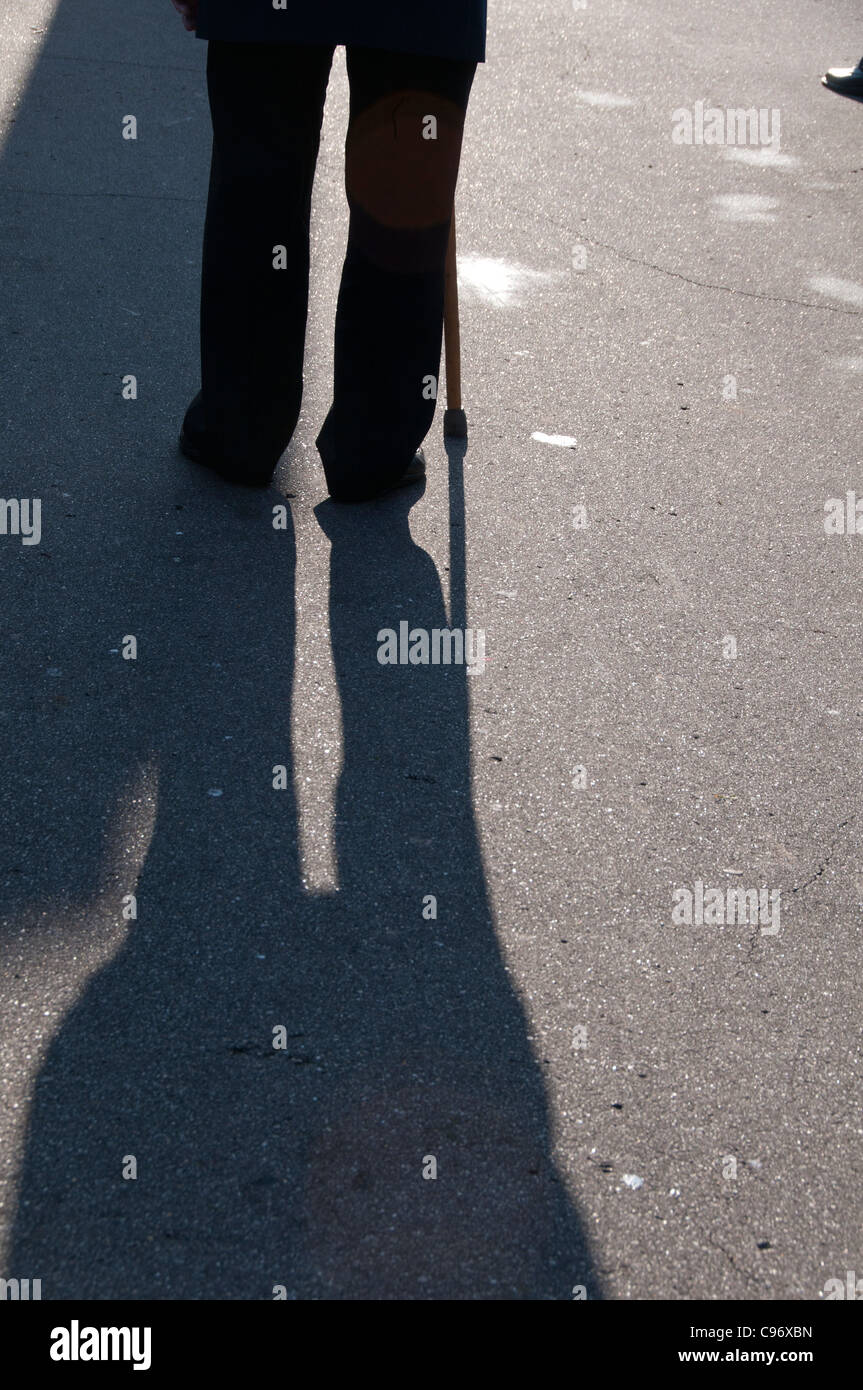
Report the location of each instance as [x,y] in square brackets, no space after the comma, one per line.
[454,420]
[455,443]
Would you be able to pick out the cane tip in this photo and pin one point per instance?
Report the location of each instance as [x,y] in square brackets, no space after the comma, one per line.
[455,424]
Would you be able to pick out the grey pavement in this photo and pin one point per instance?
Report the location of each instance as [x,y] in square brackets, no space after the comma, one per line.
[616,1102]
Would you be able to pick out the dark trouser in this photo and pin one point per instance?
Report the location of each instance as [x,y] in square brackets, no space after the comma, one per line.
[401,164]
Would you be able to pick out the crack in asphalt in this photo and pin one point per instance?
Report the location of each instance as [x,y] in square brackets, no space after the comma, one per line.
[751,1278]
[62,193]
[711,285]
[824,862]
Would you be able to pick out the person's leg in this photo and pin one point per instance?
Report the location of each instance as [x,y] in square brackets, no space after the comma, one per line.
[267,104]
[401,166]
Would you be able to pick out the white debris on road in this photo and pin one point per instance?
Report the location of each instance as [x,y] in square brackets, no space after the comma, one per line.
[563,441]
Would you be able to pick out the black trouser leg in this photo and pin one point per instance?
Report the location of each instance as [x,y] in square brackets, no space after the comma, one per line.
[267,103]
[401,166]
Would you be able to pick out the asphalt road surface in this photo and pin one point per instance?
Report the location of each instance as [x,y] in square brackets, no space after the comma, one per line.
[421,1015]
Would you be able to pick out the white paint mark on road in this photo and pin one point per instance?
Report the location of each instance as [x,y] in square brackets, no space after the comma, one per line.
[745,207]
[764,158]
[498,282]
[849,364]
[563,441]
[609,100]
[835,288]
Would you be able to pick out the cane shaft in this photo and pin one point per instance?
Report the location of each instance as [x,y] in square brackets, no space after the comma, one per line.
[452,332]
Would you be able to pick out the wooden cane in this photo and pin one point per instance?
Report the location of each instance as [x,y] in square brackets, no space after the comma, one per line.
[454,420]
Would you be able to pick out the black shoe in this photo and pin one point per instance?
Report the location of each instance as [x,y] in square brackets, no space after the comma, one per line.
[243,477]
[848,81]
[414,473]
[193,443]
